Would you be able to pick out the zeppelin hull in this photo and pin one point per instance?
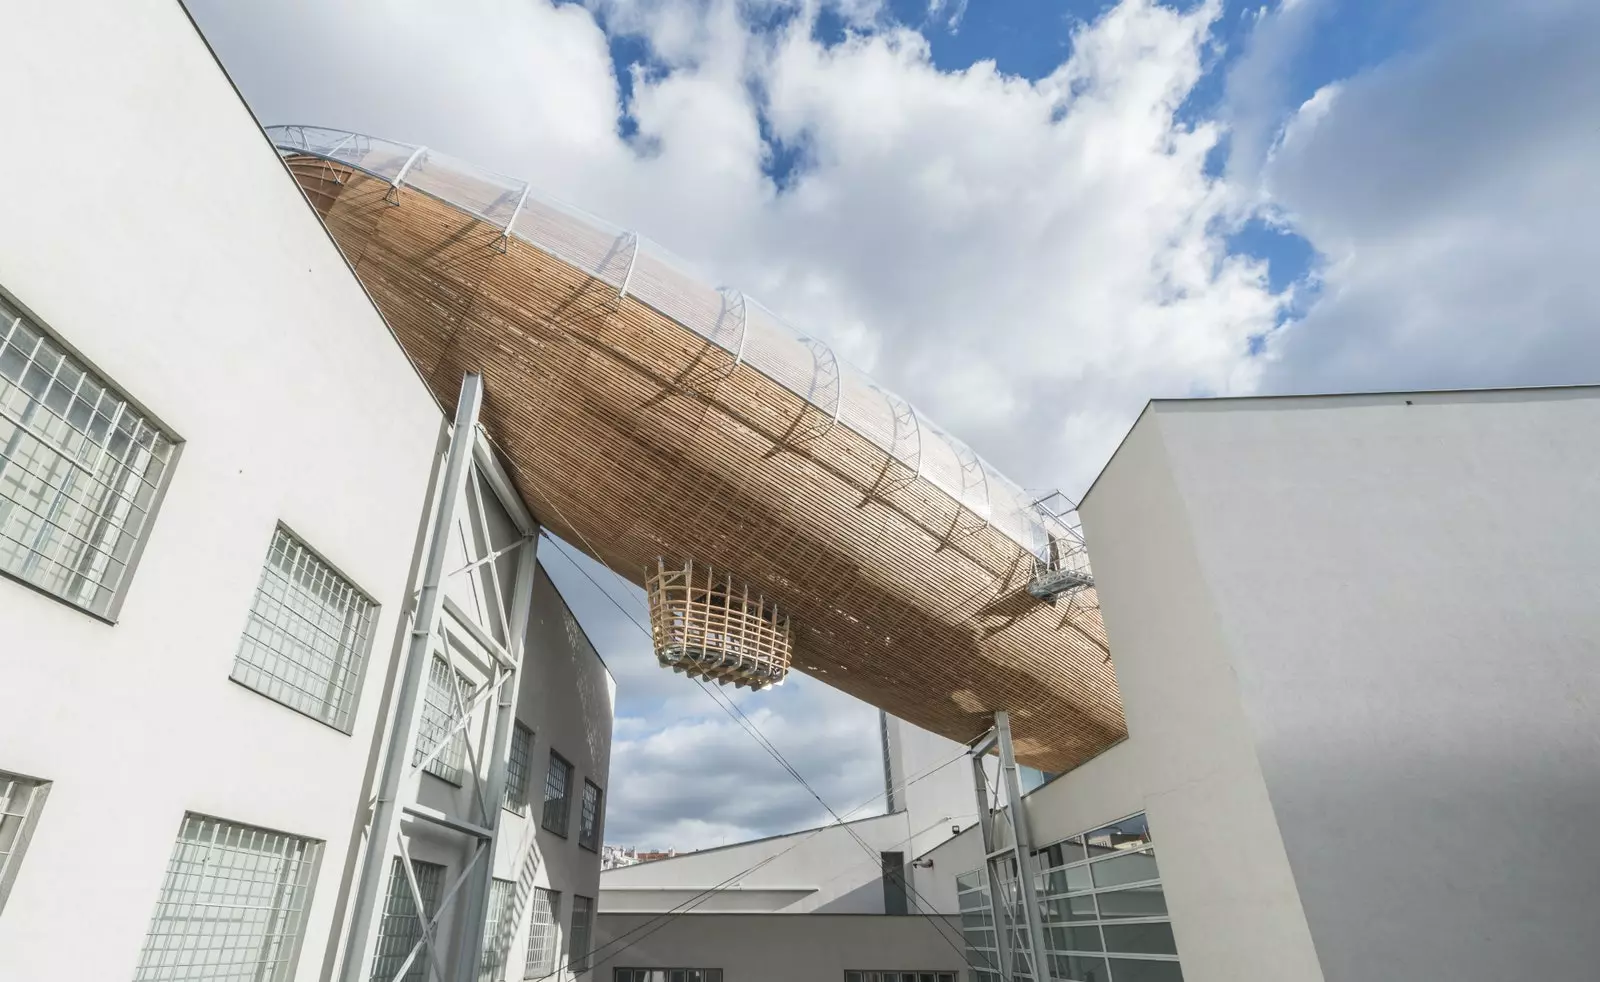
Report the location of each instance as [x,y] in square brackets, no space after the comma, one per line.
[638,440]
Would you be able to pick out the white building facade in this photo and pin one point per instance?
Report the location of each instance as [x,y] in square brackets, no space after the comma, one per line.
[1352,636]
[220,481]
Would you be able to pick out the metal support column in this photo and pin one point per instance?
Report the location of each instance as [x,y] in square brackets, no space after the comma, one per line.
[476,913]
[1019,852]
[408,704]
[998,908]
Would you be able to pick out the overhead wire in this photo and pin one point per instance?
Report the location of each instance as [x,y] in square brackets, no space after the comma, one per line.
[744,721]
[706,894]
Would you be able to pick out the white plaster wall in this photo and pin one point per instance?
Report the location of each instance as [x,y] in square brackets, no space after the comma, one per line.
[823,870]
[147,222]
[780,948]
[1407,588]
[1190,760]
[937,794]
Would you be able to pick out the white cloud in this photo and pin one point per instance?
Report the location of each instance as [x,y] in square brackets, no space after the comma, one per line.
[1451,193]
[1028,261]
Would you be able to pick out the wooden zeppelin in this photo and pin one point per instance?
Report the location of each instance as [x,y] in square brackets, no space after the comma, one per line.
[666,454]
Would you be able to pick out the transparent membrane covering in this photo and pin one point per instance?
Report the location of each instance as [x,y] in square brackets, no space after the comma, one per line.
[726,317]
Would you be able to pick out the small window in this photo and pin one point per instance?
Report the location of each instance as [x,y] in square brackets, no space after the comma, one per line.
[582,928]
[80,471]
[442,708]
[401,927]
[543,927]
[589,817]
[666,975]
[498,927]
[21,800]
[519,761]
[557,794]
[232,906]
[306,640]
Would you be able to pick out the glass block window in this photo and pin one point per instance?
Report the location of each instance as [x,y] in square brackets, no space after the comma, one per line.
[1105,916]
[497,930]
[232,907]
[519,762]
[543,927]
[557,794]
[859,975]
[582,930]
[401,927]
[589,817]
[666,975]
[80,470]
[307,635]
[440,713]
[21,799]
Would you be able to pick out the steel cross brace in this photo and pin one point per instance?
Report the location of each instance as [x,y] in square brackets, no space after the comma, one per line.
[1019,852]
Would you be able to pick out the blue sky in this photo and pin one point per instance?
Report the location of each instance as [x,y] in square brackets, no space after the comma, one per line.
[1027,217]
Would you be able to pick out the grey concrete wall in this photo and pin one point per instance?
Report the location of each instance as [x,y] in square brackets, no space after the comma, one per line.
[568,699]
[779,947]
[1407,587]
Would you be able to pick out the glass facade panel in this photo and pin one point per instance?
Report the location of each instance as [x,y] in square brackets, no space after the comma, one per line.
[1080,908]
[1143,939]
[1137,902]
[1091,906]
[1130,833]
[1079,968]
[1133,868]
[1074,938]
[232,907]
[1069,880]
[80,469]
[1131,970]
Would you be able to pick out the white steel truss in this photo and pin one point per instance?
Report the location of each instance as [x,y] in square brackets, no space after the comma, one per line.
[1017,915]
[437,625]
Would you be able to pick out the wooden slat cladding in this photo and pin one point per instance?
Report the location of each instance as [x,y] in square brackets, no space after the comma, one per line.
[637,440]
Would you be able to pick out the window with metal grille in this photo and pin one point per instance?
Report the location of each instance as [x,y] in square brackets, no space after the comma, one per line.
[557,794]
[589,817]
[21,799]
[518,763]
[497,930]
[440,713]
[853,975]
[543,927]
[232,907]
[80,471]
[666,975]
[402,923]
[582,929]
[307,636]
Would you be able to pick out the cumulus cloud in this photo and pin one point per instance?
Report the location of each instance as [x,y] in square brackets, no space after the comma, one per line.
[1028,261]
[1450,192]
